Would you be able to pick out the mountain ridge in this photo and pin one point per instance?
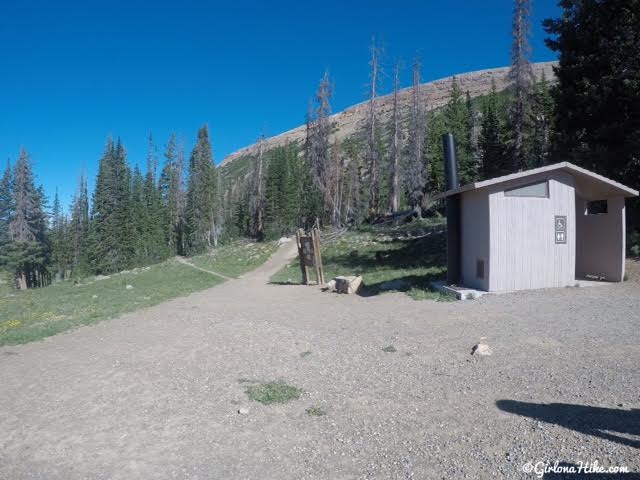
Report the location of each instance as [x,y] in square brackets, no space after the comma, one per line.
[436,95]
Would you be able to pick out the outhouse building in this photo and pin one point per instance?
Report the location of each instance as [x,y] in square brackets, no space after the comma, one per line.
[547,227]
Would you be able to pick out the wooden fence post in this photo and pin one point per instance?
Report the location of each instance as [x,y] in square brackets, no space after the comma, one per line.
[303,266]
[315,234]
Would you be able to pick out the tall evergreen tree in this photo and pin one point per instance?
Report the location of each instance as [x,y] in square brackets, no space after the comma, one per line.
[79,228]
[542,121]
[172,196]
[6,204]
[283,192]
[474,134]
[27,253]
[201,195]
[60,252]
[156,248]
[491,141]
[457,119]
[597,94]
[112,230]
[139,217]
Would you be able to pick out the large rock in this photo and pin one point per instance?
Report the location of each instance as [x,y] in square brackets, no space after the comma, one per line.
[349,284]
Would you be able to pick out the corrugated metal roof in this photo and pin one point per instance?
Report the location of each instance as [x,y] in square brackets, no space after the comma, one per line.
[612,186]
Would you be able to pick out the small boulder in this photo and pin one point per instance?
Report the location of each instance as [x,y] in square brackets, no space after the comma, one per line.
[129,287]
[482,350]
[349,284]
[330,286]
[94,296]
[243,411]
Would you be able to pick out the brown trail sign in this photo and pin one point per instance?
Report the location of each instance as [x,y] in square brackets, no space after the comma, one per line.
[309,254]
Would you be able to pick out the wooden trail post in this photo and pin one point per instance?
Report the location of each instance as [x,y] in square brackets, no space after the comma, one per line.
[309,254]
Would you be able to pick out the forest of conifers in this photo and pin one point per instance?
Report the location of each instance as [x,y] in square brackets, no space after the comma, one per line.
[589,114]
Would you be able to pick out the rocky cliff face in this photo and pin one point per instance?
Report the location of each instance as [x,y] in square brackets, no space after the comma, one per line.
[436,95]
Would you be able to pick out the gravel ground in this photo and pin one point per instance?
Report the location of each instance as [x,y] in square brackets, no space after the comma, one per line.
[155,394]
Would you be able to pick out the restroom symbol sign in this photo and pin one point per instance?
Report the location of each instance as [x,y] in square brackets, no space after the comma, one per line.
[561,229]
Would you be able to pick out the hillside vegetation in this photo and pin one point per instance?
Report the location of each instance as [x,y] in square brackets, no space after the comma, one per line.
[390,258]
[37,313]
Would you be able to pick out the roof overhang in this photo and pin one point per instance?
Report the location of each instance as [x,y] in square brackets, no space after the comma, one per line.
[588,184]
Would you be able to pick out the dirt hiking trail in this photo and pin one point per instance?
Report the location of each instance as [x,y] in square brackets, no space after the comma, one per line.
[156,393]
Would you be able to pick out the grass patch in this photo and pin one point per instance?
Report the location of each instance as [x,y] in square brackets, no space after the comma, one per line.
[305,354]
[389,349]
[234,260]
[33,314]
[429,294]
[315,412]
[273,392]
[407,257]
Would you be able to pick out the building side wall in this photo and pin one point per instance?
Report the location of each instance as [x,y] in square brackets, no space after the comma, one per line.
[600,243]
[474,241]
[523,252]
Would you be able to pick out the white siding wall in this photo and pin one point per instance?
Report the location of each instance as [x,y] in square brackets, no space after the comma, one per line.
[600,248]
[474,242]
[523,253]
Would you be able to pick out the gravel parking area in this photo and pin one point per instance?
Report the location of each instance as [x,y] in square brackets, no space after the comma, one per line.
[155,394]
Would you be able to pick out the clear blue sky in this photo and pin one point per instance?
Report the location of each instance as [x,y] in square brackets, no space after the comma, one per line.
[74,72]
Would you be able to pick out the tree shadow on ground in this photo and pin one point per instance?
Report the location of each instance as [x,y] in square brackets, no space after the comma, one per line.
[605,423]
[396,261]
[421,252]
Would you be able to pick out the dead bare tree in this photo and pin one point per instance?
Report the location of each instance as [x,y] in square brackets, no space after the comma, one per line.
[522,80]
[394,196]
[256,199]
[373,153]
[317,143]
[415,175]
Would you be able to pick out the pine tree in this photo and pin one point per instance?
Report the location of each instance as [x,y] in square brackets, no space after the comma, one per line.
[59,245]
[491,144]
[156,248]
[457,121]
[201,196]
[283,192]
[435,153]
[79,228]
[542,121]
[113,242]
[172,197]
[139,216]
[474,135]
[27,253]
[6,204]
[597,94]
